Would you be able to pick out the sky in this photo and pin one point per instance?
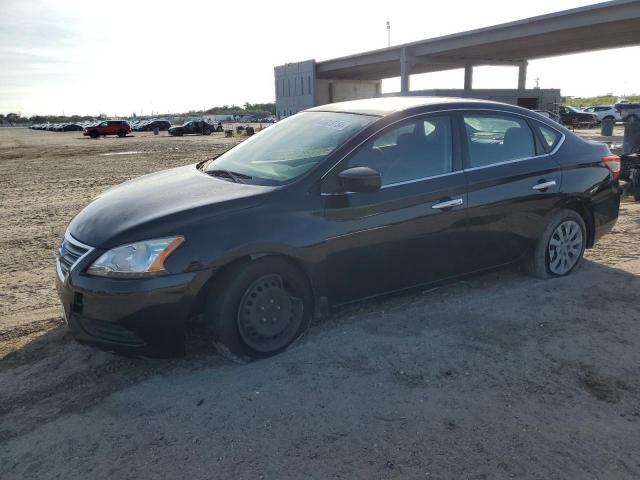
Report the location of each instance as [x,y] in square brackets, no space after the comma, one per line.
[117,58]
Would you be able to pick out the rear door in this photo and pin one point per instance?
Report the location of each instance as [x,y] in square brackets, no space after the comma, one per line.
[411,230]
[513,184]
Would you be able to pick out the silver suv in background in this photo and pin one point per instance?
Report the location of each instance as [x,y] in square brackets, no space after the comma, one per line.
[629,112]
[604,112]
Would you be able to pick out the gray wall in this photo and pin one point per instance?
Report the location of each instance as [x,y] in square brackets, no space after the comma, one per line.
[547,99]
[330,91]
[295,87]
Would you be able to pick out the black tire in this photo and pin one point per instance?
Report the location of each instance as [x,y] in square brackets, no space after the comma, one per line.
[636,197]
[540,264]
[94,134]
[239,299]
[122,133]
[207,131]
[219,129]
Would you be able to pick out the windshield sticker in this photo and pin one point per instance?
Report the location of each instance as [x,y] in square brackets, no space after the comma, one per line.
[334,124]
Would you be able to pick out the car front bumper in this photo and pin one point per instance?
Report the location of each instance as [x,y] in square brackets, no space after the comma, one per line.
[142,316]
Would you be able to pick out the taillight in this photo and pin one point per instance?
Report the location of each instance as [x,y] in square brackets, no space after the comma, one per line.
[613,163]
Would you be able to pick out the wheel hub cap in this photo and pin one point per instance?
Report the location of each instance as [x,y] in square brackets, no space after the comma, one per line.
[268,315]
[565,247]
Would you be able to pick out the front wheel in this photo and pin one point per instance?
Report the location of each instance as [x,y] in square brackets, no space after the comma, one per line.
[259,309]
[561,246]
[207,131]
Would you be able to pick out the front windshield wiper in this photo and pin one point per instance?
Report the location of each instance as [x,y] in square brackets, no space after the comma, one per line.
[234,176]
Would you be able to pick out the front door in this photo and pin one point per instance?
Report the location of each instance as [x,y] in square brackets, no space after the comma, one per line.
[410,231]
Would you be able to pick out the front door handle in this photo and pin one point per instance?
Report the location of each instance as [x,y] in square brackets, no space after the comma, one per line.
[544,185]
[448,204]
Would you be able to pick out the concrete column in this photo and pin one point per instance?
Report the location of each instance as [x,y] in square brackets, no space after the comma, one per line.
[406,62]
[468,77]
[522,76]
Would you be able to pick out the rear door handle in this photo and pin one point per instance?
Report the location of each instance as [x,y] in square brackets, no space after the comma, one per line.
[544,185]
[448,204]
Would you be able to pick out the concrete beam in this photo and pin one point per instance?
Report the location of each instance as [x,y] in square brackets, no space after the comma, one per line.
[604,25]
[522,76]
[459,62]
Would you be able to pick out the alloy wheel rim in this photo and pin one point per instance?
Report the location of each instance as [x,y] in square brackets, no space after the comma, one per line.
[269,316]
[565,247]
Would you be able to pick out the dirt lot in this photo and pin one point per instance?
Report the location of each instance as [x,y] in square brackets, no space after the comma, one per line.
[500,376]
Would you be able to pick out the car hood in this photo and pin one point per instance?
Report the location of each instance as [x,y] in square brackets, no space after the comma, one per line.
[160,204]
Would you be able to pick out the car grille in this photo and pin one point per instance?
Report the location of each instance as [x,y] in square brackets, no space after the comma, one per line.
[70,252]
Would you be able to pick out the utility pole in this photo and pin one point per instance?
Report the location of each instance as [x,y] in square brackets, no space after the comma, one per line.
[388,33]
[537,83]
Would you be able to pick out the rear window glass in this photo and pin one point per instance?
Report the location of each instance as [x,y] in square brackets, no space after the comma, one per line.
[495,139]
[551,137]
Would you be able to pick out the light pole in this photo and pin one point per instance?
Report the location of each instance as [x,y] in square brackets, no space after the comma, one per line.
[388,33]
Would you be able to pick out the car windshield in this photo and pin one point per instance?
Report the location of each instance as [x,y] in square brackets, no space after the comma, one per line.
[291,147]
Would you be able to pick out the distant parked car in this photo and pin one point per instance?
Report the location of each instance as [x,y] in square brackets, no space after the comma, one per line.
[71,127]
[549,114]
[573,117]
[199,127]
[604,112]
[629,112]
[162,125]
[109,127]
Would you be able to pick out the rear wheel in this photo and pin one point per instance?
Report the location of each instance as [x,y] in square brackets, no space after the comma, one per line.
[561,246]
[207,131]
[122,133]
[258,310]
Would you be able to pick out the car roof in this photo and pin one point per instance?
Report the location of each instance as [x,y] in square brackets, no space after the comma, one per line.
[383,106]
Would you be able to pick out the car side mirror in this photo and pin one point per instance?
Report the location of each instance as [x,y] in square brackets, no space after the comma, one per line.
[360,179]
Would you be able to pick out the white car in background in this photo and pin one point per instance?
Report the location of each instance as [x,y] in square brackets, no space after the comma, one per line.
[604,111]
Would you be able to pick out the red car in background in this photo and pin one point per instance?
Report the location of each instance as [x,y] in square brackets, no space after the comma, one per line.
[108,127]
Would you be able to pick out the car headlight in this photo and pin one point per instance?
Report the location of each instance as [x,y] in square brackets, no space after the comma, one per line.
[136,259]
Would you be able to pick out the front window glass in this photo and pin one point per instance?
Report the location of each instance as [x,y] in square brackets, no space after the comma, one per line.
[291,147]
[497,138]
[411,151]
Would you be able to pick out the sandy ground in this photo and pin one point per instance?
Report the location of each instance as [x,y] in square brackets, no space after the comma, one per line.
[500,376]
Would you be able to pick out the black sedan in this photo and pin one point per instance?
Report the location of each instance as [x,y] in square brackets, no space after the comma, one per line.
[337,203]
[198,127]
[70,127]
[575,118]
